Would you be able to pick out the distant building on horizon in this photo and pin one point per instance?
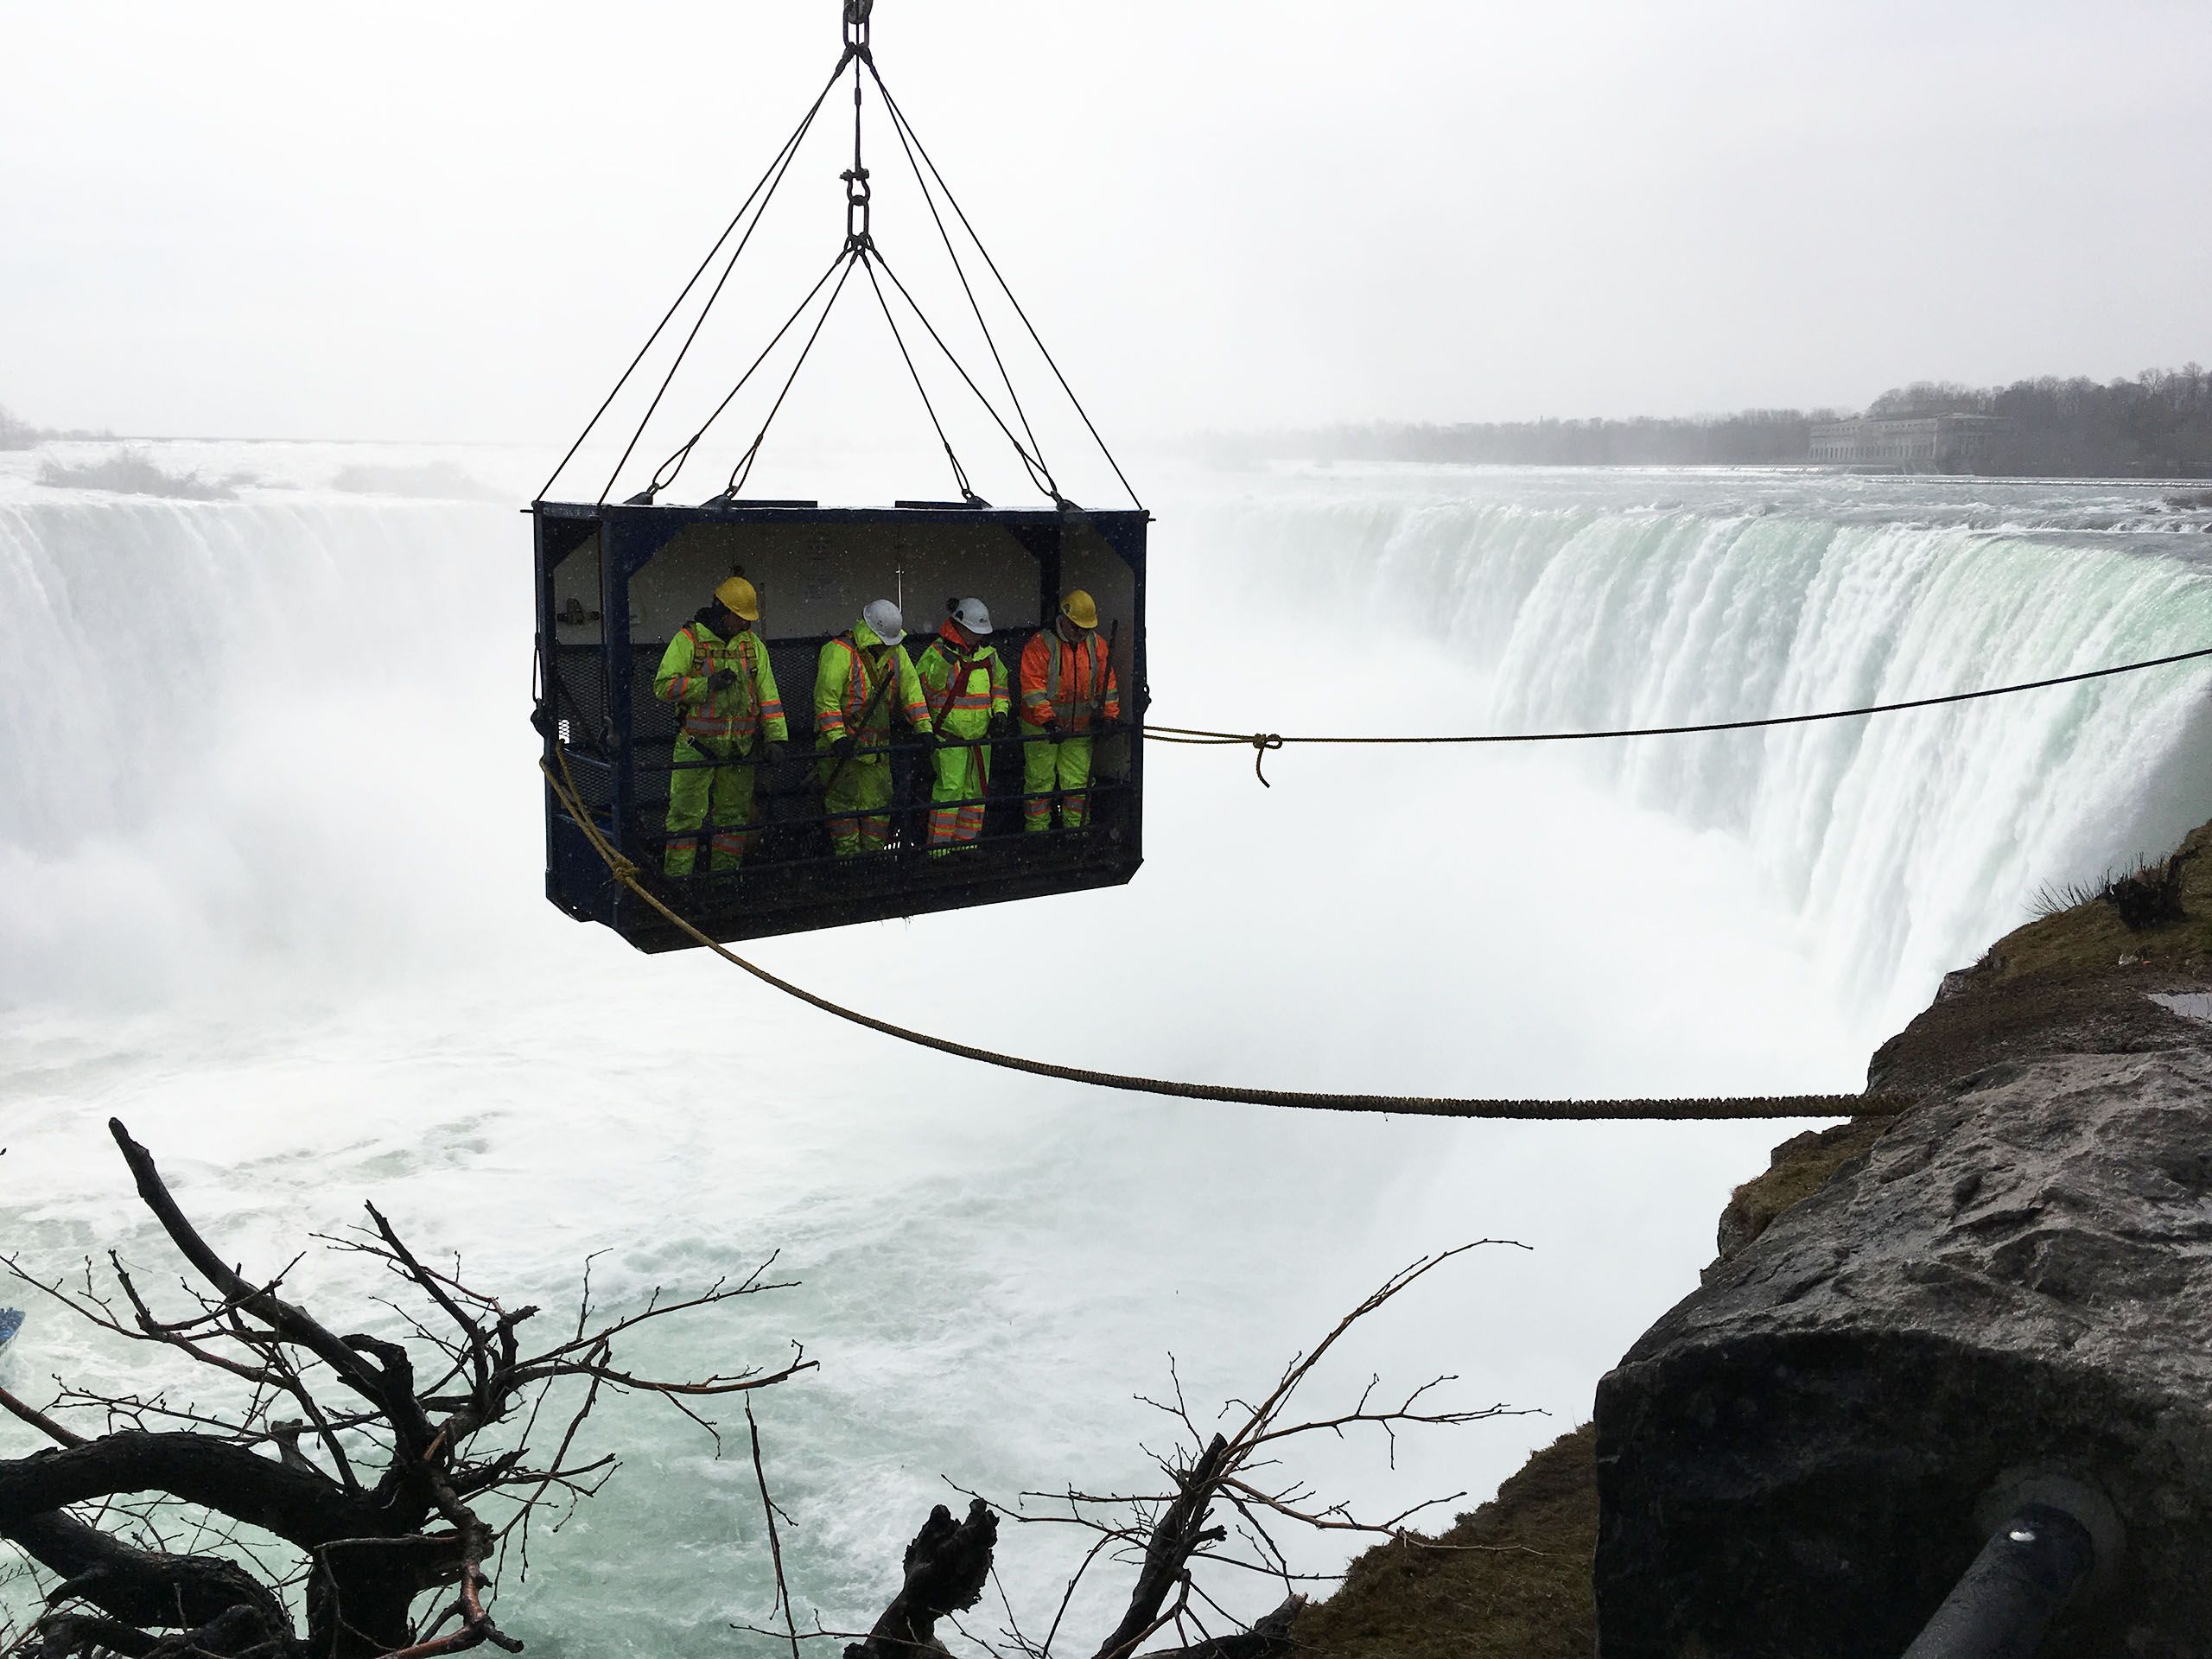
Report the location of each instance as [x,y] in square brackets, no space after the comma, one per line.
[1909,443]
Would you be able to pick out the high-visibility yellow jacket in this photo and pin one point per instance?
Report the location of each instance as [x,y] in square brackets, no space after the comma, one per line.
[964,688]
[748,707]
[852,667]
[1076,682]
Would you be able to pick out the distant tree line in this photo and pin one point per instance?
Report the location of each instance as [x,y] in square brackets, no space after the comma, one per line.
[2157,425]
[16,434]
[1752,436]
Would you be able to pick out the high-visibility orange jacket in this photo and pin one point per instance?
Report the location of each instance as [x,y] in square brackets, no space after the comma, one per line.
[748,707]
[1068,680]
[851,667]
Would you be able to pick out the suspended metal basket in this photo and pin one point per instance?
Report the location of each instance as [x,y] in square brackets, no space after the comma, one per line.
[614,583]
[616,576]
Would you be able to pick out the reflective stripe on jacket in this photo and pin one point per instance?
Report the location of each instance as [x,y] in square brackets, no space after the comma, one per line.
[964,689]
[1065,679]
[852,665]
[749,706]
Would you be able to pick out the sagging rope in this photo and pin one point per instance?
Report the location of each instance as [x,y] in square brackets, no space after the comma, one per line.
[1764,1106]
[1262,742]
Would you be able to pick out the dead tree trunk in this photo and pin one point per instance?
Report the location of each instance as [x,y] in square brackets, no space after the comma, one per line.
[947,1566]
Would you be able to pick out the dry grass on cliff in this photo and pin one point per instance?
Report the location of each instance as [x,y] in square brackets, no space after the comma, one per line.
[1799,1168]
[1510,1581]
[2088,937]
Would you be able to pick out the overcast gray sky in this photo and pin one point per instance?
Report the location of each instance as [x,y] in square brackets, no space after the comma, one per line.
[456,221]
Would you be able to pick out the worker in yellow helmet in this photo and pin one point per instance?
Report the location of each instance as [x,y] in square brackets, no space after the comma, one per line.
[1068,692]
[965,683]
[862,678]
[717,674]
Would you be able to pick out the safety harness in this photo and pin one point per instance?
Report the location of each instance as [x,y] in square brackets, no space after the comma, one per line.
[738,654]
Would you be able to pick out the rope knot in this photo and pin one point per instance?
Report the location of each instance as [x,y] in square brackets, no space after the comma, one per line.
[1261,742]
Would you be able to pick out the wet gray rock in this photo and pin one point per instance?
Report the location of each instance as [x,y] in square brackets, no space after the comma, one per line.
[2014,1284]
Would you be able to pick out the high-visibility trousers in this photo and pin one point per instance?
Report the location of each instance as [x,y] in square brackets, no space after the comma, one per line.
[696,792]
[960,776]
[1046,767]
[855,793]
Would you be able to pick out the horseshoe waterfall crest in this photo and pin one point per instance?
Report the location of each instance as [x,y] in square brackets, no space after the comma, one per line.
[1897,842]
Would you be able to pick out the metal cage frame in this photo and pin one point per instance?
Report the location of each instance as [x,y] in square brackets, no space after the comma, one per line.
[588,705]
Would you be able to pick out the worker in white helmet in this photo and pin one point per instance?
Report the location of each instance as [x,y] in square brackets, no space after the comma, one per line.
[966,685]
[863,678]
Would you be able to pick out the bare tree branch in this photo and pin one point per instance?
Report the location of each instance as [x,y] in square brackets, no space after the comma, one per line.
[399,1517]
[775,1544]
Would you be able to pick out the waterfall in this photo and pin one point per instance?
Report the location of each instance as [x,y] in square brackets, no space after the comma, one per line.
[230,729]
[1901,843]
[233,727]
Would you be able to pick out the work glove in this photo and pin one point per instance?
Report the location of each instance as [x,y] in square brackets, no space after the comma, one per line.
[771,752]
[1001,725]
[722,679]
[842,748]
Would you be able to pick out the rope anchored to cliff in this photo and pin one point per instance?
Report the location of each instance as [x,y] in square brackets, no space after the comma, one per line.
[1766,1106]
[1262,742]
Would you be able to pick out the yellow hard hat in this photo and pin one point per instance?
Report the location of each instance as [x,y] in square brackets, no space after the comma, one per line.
[1079,608]
[736,596]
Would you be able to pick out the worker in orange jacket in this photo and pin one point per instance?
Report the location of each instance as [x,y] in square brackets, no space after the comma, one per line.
[1068,691]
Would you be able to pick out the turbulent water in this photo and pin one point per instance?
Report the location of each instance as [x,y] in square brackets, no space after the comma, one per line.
[268,889]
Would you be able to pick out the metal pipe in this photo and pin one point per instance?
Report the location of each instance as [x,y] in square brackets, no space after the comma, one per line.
[2004,1606]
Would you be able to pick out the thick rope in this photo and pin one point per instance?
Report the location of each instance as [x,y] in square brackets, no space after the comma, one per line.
[1262,742]
[1763,1106]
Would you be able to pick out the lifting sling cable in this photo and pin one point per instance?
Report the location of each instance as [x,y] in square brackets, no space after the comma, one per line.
[859,198]
[1038,475]
[743,470]
[959,270]
[858,54]
[959,473]
[1262,742]
[685,293]
[898,118]
[782,169]
[675,462]
[1771,1106]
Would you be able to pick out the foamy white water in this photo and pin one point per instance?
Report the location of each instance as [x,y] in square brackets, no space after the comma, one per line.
[269,878]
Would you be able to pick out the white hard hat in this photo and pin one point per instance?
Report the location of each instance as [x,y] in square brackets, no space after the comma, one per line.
[971,615]
[883,616]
